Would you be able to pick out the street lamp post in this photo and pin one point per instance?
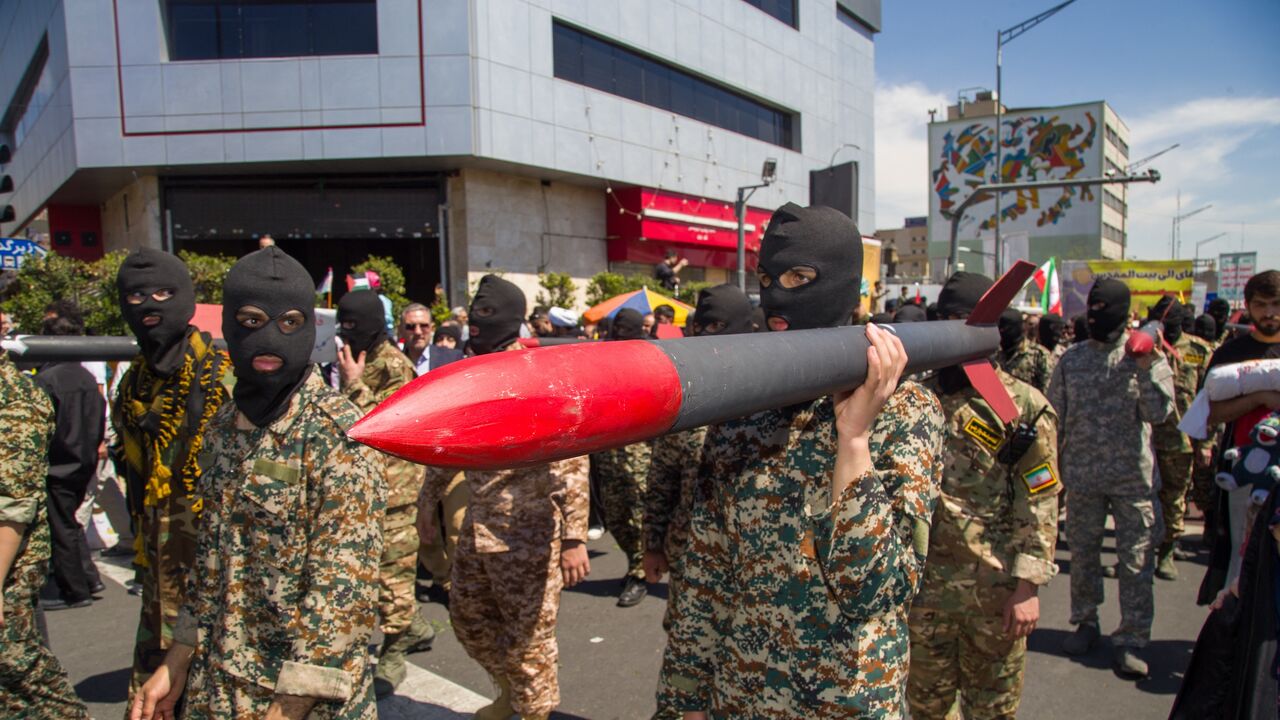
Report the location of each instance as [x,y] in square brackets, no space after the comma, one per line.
[1196,260]
[1175,239]
[768,173]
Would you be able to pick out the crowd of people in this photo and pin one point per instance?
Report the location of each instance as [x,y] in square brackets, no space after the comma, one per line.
[875,553]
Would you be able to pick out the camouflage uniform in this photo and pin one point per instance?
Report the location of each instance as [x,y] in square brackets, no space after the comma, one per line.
[1105,406]
[1174,451]
[622,472]
[284,596]
[668,500]
[794,603]
[1029,362]
[994,525]
[32,682]
[506,583]
[386,370]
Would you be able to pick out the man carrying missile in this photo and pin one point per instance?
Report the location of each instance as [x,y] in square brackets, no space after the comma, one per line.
[621,473]
[1019,355]
[810,522]
[283,596]
[370,369]
[1106,403]
[523,539]
[673,472]
[992,541]
[167,398]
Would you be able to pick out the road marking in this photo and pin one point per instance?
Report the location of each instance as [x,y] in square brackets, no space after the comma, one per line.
[423,695]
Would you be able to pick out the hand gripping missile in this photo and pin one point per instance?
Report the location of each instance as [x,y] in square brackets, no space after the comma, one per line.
[514,409]
[72,348]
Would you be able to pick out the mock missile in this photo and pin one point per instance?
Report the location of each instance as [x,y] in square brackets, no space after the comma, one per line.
[534,342]
[70,348]
[1143,340]
[506,410]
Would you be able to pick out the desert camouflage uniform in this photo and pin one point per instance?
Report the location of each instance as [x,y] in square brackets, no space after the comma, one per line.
[994,525]
[622,472]
[668,500]
[32,682]
[283,598]
[386,370]
[1029,362]
[506,583]
[1105,406]
[794,603]
[1174,451]
[1055,355]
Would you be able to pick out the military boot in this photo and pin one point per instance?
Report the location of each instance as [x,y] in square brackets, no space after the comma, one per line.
[391,656]
[1082,640]
[500,708]
[1129,665]
[1165,569]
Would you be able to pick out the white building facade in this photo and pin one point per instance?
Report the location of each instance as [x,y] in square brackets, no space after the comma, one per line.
[513,136]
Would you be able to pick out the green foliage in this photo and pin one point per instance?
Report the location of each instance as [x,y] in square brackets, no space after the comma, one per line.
[605,285]
[559,290]
[689,292]
[207,274]
[92,286]
[392,278]
[441,311]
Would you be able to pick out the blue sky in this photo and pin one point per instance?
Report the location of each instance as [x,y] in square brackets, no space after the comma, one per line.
[1203,74]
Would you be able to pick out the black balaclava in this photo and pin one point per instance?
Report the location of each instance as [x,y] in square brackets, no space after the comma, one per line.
[1220,311]
[1050,331]
[1079,329]
[364,308]
[1206,328]
[957,299]
[758,320]
[724,304]
[931,311]
[1169,312]
[497,312]
[1011,329]
[272,281]
[824,239]
[910,313]
[1188,318]
[448,331]
[627,324]
[148,271]
[1106,324]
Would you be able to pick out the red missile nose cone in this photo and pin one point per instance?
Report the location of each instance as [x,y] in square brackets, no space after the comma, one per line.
[512,409]
[1139,343]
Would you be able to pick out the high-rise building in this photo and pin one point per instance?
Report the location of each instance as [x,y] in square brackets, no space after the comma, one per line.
[905,250]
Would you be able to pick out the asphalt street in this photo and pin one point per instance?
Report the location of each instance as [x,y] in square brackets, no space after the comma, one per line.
[610,656]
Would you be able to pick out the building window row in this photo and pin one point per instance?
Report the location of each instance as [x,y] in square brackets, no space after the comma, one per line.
[783,10]
[231,29]
[1114,138]
[1112,167]
[1114,202]
[34,92]
[1113,234]
[589,60]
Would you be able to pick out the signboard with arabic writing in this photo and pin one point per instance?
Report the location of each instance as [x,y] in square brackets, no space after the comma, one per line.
[1148,281]
[1234,270]
[14,250]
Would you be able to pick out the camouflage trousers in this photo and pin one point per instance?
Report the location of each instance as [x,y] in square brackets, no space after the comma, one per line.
[666,694]
[622,482]
[1203,490]
[503,607]
[213,694]
[32,682]
[1175,477]
[964,652]
[397,570]
[436,554]
[1135,524]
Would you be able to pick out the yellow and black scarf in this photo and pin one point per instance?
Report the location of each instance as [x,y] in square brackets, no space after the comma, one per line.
[161,422]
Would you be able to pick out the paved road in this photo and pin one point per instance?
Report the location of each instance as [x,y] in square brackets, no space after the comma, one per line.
[610,656]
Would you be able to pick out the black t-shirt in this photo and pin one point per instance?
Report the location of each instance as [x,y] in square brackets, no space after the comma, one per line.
[665,275]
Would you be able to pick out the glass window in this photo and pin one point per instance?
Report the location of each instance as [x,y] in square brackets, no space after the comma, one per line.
[784,10]
[34,92]
[597,63]
[227,29]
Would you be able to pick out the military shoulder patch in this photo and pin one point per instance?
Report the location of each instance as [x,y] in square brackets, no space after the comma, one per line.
[1193,357]
[288,473]
[1039,478]
[986,435]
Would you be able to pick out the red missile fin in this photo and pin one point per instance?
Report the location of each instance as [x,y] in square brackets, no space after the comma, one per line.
[998,297]
[983,378]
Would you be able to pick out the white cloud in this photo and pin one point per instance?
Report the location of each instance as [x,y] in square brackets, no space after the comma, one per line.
[902,150]
[1204,114]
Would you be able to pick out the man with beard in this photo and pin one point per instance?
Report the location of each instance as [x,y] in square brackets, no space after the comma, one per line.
[991,544]
[1019,355]
[621,473]
[1106,402]
[371,369]
[283,595]
[166,400]
[810,522]
[673,472]
[1220,310]
[523,539]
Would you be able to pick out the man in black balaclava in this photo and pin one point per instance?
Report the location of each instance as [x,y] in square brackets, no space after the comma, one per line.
[1079,329]
[1052,328]
[722,310]
[289,498]
[1220,311]
[497,312]
[810,268]
[1206,328]
[620,474]
[1107,402]
[165,401]
[910,313]
[371,369]
[1014,484]
[1018,356]
[1188,317]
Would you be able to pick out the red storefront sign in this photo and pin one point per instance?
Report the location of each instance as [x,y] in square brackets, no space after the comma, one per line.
[644,223]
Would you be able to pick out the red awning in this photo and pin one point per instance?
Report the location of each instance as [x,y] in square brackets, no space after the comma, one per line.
[644,223]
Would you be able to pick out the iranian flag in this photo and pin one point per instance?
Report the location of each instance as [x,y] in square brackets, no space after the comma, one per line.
[1050,287]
